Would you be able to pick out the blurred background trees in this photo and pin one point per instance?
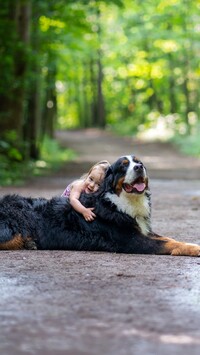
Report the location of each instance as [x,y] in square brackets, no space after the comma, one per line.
[129,65]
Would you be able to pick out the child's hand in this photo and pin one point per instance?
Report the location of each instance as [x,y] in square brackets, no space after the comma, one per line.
[88,214]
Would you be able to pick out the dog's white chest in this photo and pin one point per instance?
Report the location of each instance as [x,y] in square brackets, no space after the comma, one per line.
[136,206]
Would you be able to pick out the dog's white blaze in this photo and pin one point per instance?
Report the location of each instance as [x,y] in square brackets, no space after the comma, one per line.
[136,206]
[130,171]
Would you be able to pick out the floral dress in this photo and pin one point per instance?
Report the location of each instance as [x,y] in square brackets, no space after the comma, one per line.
[66,192]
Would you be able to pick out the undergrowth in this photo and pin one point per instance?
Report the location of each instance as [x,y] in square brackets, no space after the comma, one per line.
[51,158]
[189,145]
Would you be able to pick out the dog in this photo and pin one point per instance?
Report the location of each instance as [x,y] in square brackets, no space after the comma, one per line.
[122,224]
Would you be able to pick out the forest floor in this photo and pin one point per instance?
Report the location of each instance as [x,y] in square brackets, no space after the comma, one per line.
[94,303]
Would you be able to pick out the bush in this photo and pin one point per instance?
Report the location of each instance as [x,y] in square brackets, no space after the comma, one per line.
[15,172]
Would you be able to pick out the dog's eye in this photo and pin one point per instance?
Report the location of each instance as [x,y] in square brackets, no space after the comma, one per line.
[123,166]
[125,162]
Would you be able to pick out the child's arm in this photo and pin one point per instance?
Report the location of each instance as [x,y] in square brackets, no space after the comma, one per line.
[75,193]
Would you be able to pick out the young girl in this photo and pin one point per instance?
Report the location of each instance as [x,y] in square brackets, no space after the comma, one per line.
[87,183]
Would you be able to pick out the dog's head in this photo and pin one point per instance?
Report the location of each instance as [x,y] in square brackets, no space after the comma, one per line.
[127,174]
[124,190]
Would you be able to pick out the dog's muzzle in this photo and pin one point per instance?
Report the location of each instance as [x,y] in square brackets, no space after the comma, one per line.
[138,180]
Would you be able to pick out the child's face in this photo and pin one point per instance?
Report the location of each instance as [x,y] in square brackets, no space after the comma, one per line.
[93,181]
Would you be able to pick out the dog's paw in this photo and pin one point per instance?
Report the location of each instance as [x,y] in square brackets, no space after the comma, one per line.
[186,249]
[30,244]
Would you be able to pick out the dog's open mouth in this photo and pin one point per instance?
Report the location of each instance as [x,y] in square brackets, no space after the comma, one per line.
[137,186]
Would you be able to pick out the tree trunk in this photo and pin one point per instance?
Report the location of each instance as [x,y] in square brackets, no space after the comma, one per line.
[22,23]
[15,17]
[94,93]
[100,99]
[32,125]
[50,109]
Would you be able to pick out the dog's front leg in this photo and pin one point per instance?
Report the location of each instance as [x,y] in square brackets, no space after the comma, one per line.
[179,248]
[171,246]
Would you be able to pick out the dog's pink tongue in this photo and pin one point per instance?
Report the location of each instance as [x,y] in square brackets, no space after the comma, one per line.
[139,186]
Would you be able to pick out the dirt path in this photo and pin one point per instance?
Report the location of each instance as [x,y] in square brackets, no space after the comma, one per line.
[82,303]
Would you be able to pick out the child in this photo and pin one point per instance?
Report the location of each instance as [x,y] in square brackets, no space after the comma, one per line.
[87,183]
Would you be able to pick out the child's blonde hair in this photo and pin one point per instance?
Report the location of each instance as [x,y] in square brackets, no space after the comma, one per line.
[103,164]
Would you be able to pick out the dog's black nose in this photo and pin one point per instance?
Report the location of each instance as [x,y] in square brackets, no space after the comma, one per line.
[138,167]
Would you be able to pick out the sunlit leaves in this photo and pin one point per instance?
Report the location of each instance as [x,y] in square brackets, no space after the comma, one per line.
[167,46]
[149,52]
[164,4]
[45,23]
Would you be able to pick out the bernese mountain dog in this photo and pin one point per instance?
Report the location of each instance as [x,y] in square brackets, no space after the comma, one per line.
[122,223]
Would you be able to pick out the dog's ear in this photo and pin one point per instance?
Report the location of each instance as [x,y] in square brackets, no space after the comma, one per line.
[108,180]
[109,171]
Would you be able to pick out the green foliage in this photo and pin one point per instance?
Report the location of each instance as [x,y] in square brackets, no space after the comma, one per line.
[53,156]
[13,172]
[9,148]
[189,144]
[150,63]
[132,63]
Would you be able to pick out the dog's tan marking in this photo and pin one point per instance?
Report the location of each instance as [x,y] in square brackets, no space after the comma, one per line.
[118,187]
[173,247]
[125,161]
[14,244]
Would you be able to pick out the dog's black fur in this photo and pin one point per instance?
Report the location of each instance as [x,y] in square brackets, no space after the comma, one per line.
[122,223]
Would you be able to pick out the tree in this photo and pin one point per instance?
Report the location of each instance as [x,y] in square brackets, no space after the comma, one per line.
[14,63]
